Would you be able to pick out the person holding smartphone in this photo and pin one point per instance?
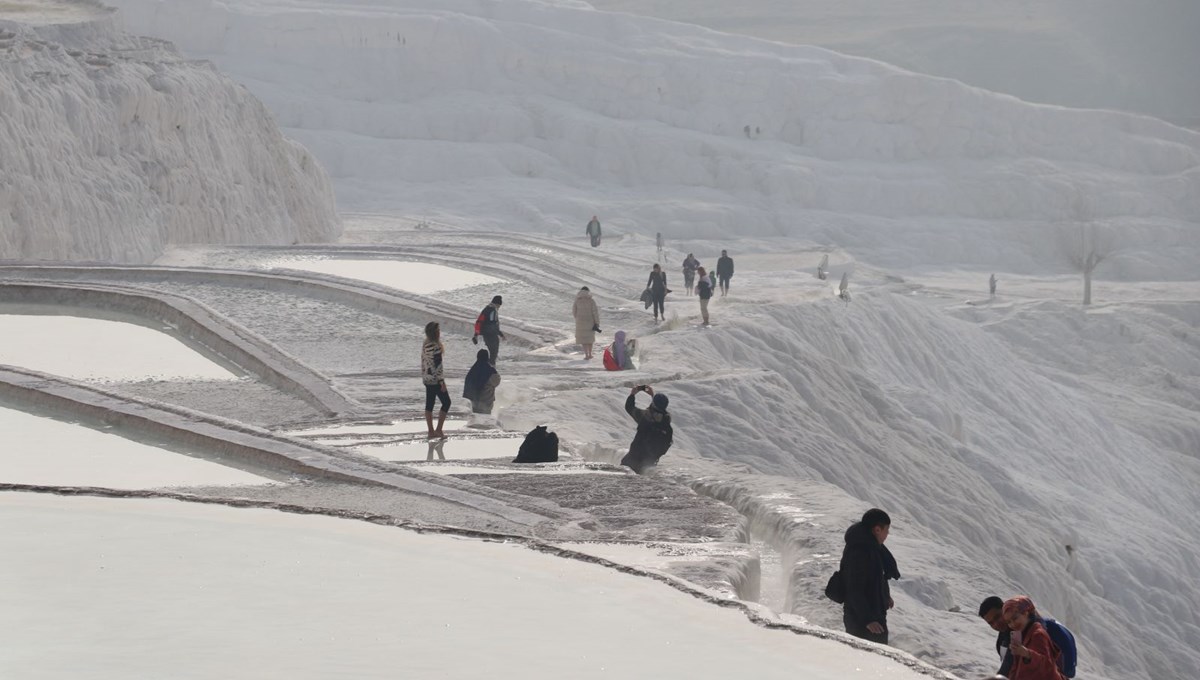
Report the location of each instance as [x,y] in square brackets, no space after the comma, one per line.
[654,433]
[1035,656]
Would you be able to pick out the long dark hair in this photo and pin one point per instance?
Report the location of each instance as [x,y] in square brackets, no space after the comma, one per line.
[433,332]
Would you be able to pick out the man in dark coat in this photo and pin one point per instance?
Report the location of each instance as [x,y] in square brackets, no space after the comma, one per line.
[654,433]
[593,231]
[866,567]
[488,325]
[724,271]
[992,611]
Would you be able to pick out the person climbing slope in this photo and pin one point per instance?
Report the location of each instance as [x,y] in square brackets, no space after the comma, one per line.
[593,231]
[690,265]
[657,285]
[488,325]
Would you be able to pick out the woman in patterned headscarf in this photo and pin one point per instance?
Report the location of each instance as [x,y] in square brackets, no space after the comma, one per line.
[1035,657]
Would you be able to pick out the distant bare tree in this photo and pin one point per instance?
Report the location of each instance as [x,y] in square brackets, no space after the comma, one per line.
[1085,244]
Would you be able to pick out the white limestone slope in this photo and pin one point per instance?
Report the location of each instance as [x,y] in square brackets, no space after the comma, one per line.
[535,115]
[112,147]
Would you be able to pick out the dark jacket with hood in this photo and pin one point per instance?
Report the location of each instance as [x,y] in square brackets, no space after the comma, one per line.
[488,322]
[866,567]
[481,381]
[653,439]
[725,267]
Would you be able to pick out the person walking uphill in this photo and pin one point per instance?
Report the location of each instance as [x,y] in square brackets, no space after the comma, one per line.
[480,386]
[724,271]
[866,567]
[488,325]
[434,379]
[704,290]
[587,320]
[593,231]
[657,285]
[1035,656]
[654,433]
[690,265]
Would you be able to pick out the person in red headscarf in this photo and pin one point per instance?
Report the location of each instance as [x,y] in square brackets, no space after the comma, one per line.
[1035,657]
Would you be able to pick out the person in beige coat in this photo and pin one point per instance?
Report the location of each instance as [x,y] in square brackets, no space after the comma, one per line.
[587,320]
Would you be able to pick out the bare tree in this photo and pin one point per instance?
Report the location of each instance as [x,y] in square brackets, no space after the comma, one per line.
[1085,245]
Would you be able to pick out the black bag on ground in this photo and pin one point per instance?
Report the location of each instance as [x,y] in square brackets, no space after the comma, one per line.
[539,446]
[836,588]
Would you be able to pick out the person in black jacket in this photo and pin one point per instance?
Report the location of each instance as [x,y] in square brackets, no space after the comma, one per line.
[657,285]
[488,325]
[992,611]
[724,271]
[654,433]
[866,567]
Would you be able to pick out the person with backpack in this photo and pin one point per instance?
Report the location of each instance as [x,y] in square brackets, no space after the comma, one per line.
[593,231]
[865,569]
[1035,656]
[488,325]
[587,320]
[657,285]
[433,377]
[704,290]
[724,271]
[480,385]
[690,266]
[654,433]
[991,610]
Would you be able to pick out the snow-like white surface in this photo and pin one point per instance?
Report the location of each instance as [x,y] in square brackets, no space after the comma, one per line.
[115,147]
[257,593]
[98,349]
[535,116]
[39,450]
[440,469]
[415,277]
[452,448]
[395,427]
[1107,54]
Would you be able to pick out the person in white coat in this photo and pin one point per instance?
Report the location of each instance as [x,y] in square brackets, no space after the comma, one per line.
[587,320]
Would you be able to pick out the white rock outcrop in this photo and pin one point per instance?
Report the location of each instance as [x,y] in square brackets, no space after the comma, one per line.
[112,147]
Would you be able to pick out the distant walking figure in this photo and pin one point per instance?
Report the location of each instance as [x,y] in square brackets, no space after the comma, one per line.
[593,231]
[488,325]
[433,378]
[480,386]
[992,285]
[659,243]
[587,320]
[724,271]
[823,267]
[705,291]
[657,285]
[690,265]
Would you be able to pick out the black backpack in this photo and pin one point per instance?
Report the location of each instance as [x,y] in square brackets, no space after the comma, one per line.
[539,446]
[836,588]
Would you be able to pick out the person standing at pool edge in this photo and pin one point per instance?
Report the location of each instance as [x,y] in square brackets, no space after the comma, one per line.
[488,325]
[433,377]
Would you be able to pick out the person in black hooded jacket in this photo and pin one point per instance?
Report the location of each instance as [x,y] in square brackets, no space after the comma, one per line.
[866,567]
[654,431]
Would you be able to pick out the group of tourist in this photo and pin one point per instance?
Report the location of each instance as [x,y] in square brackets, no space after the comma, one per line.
[1031,647]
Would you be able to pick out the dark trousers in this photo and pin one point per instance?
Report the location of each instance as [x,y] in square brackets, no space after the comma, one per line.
[724,283]
[658,299]
[859,630]
[435,392]
[493,345]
